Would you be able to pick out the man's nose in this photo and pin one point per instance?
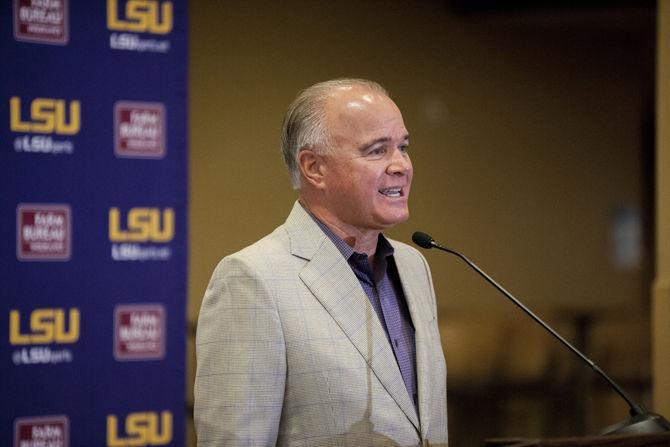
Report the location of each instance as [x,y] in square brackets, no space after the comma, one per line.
[399,163]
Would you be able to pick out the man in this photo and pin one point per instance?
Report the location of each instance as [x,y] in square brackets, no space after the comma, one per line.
[324,333]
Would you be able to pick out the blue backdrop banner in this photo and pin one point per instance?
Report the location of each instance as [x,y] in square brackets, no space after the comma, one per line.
[93,175]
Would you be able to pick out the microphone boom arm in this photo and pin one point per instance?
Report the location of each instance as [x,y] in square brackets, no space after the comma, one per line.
[641,420]
[635,409]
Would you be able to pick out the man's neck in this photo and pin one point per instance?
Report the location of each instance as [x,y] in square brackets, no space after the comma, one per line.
[360,241]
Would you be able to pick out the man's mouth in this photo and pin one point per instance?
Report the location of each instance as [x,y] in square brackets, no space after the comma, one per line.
[391,192]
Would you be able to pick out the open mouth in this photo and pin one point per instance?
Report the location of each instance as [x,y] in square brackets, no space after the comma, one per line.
[391,192]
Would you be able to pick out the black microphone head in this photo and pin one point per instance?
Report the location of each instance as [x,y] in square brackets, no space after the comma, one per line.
[422,239]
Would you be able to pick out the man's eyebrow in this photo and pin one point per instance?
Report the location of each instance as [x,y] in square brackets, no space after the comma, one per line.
[364,146]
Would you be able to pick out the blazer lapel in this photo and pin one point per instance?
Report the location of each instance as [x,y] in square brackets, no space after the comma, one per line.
[421,319]
[331,280]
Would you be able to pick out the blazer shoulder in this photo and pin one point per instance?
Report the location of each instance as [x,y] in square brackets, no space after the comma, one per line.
[269,249]
[274,243]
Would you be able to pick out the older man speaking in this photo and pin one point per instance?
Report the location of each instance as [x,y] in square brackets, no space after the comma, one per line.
[324,333]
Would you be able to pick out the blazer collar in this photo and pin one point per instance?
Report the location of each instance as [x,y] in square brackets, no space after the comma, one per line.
[304,234]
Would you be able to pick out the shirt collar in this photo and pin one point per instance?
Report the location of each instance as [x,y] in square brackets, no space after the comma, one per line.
[384,247]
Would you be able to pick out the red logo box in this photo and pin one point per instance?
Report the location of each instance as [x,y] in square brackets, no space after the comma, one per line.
[41,21]
[139,130]
[43,232]
[139,332]
[43,430]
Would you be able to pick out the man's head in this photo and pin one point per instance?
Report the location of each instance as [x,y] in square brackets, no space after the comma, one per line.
[345,144]
[305,126]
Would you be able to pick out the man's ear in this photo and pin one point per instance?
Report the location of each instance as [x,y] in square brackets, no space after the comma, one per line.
[312,168]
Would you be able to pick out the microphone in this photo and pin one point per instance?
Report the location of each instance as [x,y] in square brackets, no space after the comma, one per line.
[641,420]
[423,240]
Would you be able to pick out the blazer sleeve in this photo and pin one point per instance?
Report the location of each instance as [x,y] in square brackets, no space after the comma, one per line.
[241,359]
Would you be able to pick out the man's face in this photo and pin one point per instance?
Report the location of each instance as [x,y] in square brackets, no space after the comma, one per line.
[367,172]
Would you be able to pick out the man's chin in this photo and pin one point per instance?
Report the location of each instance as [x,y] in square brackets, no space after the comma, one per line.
[391,220]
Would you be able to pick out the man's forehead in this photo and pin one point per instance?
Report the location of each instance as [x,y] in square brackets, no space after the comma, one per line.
[362,113]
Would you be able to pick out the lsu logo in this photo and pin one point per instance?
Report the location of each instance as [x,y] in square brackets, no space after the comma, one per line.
[142,429]
[46,116]
[141,16]
[142,225]
[46,326]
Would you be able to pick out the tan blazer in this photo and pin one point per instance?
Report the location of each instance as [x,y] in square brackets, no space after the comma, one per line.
[290,352]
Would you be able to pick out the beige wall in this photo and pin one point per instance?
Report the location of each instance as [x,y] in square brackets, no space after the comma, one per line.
[527,133]
[661,297]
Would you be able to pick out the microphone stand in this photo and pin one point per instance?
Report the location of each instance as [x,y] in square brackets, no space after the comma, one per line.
[641,420]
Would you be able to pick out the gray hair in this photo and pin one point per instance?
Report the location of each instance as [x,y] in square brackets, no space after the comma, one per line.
[304,125]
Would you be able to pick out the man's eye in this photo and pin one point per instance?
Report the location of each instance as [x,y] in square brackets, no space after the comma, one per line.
[377,151]
[404,148]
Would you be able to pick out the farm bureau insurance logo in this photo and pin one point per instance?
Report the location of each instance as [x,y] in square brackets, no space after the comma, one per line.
[33,333]
[41,21]
[139,129]
[139,17]
[43,232]
[46,117]
[141,234]
[141,429]
[42,431]
[139,332]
